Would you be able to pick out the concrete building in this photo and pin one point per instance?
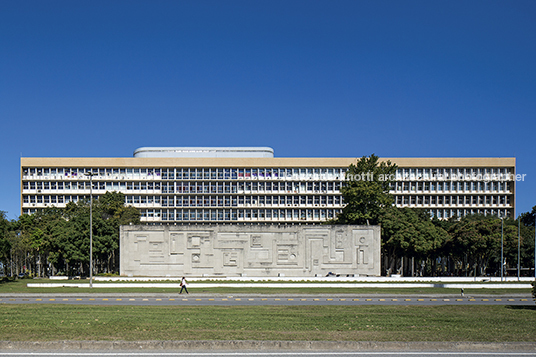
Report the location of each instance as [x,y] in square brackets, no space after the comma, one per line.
[250,185]
[213,250]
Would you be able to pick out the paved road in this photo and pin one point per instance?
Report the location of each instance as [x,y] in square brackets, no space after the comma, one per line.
[268,354]
[90,299]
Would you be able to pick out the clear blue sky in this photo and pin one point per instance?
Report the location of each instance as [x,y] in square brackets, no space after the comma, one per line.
[307,78]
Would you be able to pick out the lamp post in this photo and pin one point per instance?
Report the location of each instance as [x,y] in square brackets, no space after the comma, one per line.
[518,247]
[90,174]
[502,247]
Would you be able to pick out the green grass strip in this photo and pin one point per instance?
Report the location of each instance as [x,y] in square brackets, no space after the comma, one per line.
[310,323]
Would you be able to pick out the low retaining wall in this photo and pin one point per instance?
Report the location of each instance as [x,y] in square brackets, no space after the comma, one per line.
[282,285]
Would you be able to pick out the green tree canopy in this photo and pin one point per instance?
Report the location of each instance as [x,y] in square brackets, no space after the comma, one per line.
[366,191]
[410,232]
[476,241]
[59,237]
[5,244]
[528,218]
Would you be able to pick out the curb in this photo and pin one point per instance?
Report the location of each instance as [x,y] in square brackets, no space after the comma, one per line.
[194,294]
[266,346]
[283,285]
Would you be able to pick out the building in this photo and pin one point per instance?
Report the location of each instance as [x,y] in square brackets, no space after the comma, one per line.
[216,250]
[250,185]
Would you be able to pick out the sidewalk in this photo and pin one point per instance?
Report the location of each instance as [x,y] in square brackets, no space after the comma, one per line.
[234,345]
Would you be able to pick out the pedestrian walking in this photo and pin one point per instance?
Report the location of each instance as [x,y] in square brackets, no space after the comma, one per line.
[183,285]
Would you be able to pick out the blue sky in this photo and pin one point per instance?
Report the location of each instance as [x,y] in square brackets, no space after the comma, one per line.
[307,78]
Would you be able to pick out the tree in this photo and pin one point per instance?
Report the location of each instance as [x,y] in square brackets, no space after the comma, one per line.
[366,191]
[475,243]
[409,232]
[5,244]
[110,213]
[528,218]
[57,239]
[527,238]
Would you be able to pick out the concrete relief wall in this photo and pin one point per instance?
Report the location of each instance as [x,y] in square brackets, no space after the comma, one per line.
[249,250]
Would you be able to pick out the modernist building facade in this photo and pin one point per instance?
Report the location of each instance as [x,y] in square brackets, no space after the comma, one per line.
[249,185]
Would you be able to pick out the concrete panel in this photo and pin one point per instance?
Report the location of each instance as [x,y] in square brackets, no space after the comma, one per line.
[249,250]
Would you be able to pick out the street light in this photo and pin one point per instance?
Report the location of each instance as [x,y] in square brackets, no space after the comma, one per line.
[502,247]
[90,174]
[518,247]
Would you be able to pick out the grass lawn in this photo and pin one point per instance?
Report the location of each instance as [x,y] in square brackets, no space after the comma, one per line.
[335,323]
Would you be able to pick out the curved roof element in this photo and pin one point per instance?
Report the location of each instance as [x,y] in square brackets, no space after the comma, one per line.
[198,152]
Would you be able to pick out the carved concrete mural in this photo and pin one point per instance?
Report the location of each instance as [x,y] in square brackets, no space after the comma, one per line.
[249,250]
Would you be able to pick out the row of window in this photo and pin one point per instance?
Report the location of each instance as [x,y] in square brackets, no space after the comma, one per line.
[221,172]
[448,213]
[478,186]
[197,201]
[53,199]
[194,173]
[278,214]
[238,214]
[275,200]
[473,200]
[213,201]
[451,173]
[60,185]
[270,173]
[186,187]
[238,187]
[234,187]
